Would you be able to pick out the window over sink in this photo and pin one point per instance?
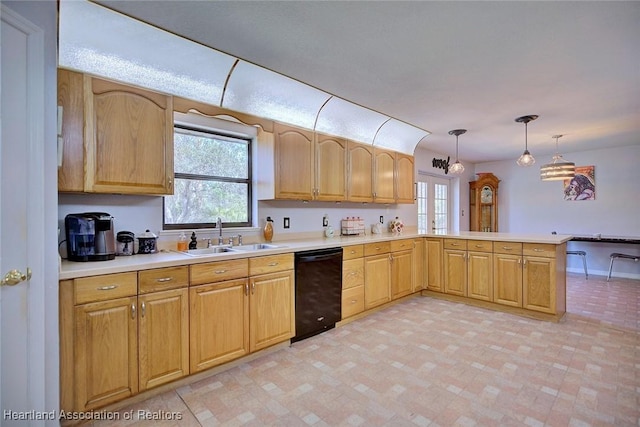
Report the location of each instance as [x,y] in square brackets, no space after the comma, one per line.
[212,178]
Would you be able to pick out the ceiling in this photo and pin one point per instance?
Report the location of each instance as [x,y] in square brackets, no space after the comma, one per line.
[443,65]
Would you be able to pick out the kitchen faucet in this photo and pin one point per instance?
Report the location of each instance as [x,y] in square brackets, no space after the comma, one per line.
[219,225]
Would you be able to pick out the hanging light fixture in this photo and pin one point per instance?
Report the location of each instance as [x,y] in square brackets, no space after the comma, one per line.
[559,169]
[457,168]
[526,159]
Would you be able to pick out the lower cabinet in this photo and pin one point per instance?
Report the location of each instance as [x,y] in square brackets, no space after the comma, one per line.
[402,268]
[352,280]
[544,278]
[455,272]
[480,274]
[271,309]
[377,274]
[219,323]
[507,282]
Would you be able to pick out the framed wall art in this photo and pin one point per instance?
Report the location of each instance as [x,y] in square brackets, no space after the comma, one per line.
[582,186]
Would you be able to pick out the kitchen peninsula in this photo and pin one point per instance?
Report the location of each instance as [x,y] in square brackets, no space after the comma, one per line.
[135,323]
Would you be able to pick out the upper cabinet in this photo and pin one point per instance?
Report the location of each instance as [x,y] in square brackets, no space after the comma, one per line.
[360,172]
[483,203]
[331,168]
[294,162]
[405,178]
[383,176]
[117,138]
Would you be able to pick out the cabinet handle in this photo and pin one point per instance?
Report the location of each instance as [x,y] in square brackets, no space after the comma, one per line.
[164,279]
[352,273]
[246,289]
[106,288]
[170,181]
[220,271]
[143,309]
[538,250]
[253,288]
[353,252]
[133,311]
[507,248]
[479,246]
[415,191]
[273,264]
[455,244]
[353,301]
[524,264]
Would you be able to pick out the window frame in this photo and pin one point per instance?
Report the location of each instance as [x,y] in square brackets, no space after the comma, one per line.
[214,132]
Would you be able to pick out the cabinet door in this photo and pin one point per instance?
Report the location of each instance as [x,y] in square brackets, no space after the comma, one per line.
[455,272]
[128,139]
[352,273]
[294,163]
[402,272]
[480,279]
[106,352]
[405,179]
[219,323]
[507,279]
[377,284]
[331,168]
[163,337]
[272,308]
[383,176]
[360,173]
[71,173]
[539,284]
[434,265]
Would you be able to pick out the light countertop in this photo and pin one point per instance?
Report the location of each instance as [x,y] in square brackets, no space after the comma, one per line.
[72,270]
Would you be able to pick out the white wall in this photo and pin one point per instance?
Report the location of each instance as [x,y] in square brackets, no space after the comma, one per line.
[527,204]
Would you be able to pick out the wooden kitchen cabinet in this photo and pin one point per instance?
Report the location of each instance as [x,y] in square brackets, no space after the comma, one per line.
[360,172]
[70,98]
[105,352]
[384,176]
[405,178]
[352,280]
[419,261]
[455,267]
[219,323]
[128,137]
[330,168]
[507,282]
[294,158]
[433,265]
[544,278]
[402,268]
[271,309]
[377,274]
[163,329]
[480,270]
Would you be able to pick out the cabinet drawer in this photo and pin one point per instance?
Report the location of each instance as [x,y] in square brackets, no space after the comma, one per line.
[352,301]
[352,273]
[162,279]
[507,248]
[401,245]
[218,271]
[455,244]
[377,248]
[270,264]
[350,252]
[539,249]
[102,288]
[480,246]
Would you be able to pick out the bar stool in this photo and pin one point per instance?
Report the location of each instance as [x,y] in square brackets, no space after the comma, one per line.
[615,255]
[583,254]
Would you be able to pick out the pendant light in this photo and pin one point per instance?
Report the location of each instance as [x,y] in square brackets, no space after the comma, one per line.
[457,168]
[526,159]
[559,169]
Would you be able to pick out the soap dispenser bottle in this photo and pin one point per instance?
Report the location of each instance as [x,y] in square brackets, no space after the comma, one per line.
[268,230]
[193,244]
[182,242]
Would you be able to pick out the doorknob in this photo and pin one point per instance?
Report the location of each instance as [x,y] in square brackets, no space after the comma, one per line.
[14,277]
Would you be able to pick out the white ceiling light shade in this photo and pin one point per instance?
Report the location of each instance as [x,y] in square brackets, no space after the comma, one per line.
[99,41]
[343,118]
[255,90]
[559,169]
[457,168]
[526,159]
[399,136]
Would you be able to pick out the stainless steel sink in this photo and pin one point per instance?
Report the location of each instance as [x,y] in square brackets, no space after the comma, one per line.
[208,251]
[256,247]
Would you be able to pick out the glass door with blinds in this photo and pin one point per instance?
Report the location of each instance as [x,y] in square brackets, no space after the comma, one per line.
[433,204]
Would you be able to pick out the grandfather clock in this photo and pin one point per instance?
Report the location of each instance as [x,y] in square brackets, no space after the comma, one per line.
[483,203]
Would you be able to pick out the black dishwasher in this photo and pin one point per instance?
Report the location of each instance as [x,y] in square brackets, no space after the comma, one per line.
[318,291]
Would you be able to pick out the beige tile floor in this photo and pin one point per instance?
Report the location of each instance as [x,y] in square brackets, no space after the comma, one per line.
[428,362]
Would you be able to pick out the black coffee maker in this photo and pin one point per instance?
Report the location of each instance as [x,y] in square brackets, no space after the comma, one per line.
[90,236]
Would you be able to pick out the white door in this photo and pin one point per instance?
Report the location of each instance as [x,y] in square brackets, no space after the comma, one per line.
[22,348]
[434,214]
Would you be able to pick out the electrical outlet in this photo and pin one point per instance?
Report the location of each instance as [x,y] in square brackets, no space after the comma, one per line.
[325,221]
[287,222]
[381,219]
